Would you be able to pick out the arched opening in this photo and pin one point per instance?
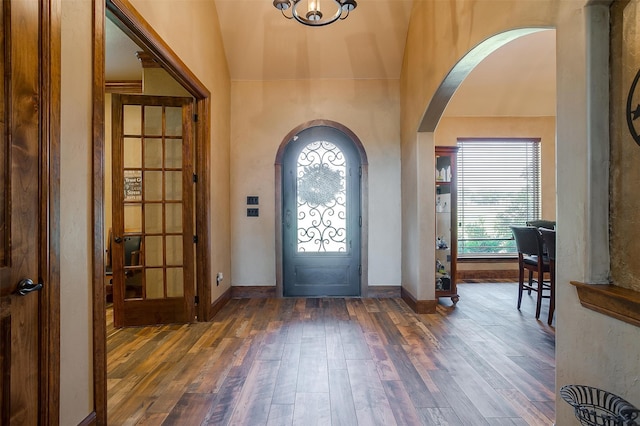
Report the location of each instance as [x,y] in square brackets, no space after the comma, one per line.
[505,113]
[442,127]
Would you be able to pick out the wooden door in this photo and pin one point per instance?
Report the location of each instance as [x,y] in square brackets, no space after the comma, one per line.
[153,215]
[321,214]
[21,354]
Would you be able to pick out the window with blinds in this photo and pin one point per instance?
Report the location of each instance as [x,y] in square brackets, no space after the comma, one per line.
[498,186]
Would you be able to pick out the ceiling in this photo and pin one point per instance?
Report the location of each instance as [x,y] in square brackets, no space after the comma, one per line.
[121,62]
[369,44]
[366,45]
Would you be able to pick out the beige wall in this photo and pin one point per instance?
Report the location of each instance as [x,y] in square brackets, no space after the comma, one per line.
[76,354]
[590,348]
[193,33]
[263,113]
[156,81]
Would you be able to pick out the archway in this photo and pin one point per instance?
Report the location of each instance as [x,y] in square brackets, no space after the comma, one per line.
[417,272]
[508,100]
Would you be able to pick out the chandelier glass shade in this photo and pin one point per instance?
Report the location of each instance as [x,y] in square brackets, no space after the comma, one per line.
[313,16]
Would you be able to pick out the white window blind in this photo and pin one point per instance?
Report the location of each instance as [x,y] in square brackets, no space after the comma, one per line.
[498,186]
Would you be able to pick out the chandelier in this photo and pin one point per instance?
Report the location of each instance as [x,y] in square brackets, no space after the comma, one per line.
[314,17]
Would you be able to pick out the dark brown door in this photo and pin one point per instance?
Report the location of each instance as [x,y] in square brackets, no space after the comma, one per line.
[321,208]
[153,218]
[19,213]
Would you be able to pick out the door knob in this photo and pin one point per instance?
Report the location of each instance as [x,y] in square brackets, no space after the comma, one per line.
[117,240]
[26,286]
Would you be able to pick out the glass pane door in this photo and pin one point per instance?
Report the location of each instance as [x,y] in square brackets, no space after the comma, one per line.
[156,206]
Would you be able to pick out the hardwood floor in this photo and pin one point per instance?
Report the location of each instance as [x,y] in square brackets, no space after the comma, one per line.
[340,362]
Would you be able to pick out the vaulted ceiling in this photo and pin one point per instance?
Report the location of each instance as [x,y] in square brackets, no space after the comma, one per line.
[261,45]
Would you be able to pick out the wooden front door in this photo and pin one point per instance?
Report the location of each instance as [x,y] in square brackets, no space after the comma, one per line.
[23,254]
[321,214]
[152,238]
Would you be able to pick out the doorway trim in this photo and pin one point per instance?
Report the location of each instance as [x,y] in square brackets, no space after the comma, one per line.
[364,202]
[136,27]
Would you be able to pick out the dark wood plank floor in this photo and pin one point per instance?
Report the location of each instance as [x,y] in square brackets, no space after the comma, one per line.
[340,362]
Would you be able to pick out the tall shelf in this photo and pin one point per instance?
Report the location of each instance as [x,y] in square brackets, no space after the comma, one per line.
[446,206]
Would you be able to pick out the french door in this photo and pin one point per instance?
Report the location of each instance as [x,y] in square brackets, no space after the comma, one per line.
[152,238]
[321,214]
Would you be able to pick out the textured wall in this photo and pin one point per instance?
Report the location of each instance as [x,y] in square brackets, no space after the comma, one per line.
[76,386]
[263,113]
[625,152]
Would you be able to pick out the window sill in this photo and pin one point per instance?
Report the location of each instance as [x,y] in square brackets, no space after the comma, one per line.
[488,259]
[614,301]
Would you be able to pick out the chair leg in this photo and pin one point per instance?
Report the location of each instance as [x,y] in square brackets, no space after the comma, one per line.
[552,294]
[540,288]
[520,284]
[530,282]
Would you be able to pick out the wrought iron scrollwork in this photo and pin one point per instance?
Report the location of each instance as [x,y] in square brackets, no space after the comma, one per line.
[321,198]
[633,114]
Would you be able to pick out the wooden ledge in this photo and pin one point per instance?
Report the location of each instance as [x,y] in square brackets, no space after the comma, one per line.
[614,301]
[123,86]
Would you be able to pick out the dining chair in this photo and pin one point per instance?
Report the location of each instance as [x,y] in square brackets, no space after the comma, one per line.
[531,258]
[549,239]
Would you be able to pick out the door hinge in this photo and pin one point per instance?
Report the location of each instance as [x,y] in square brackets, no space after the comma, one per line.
[359,269]
[195,178]
[197,299]
[195,238]
[360,221]
[360,171]
[195,117]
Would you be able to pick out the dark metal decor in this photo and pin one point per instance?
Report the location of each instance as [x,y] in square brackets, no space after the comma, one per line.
[597,407]
[321,198]
[632,115]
